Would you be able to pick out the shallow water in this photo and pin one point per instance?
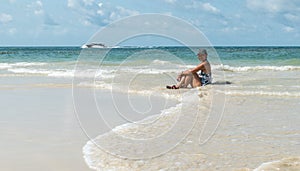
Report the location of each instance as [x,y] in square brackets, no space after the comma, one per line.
[223,126]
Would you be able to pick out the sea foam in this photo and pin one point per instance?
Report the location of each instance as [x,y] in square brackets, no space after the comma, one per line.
[255,68]
[20,64]
[108,152]
[262,93]
[286,164]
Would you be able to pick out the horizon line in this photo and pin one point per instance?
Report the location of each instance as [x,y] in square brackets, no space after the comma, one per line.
[3,46]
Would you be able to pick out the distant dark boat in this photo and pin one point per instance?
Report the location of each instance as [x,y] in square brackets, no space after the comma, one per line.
[94,45]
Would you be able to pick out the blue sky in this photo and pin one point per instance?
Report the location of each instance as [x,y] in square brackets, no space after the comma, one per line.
[73,22]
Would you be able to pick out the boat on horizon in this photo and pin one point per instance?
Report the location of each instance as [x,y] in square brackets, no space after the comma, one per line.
[94,45]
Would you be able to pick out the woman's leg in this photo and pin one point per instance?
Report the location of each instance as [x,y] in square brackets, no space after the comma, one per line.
[185,81]
[188,80]
[196,80]
[181,83]
[192,79]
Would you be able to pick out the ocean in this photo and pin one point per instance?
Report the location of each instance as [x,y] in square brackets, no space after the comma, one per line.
[248,118]
[252,70]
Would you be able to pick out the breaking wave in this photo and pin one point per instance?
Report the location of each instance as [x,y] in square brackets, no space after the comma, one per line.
[255,68]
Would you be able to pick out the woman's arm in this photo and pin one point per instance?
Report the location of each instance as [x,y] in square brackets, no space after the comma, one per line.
[194,70]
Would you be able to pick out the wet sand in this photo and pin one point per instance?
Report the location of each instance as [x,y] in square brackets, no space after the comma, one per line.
[253,131]
[39,127]
[39,130]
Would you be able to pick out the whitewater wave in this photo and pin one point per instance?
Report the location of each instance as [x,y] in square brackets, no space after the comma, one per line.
[160,62]
[262,93]
[149,71]
[255,68]
[154,91]
[29,71]
[68,73]
[24,64]
[287,164]
[51,73]
[103,73]
[5,66]
[20,64]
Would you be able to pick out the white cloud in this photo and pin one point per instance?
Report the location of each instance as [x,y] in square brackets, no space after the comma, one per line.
[39,11]
[274,6]
[88,2]
[170,1]
[208,7]
[12,31]
[126,12]
[231,29]
[36,7]
[288,29]
[279,11]
[71,3]
[39,3]
[5,18]
[203,6]
[86,22]
[99,13]
[80,4]
[291,17]
[120,12]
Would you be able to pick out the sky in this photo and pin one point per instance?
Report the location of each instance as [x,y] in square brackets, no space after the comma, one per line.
[224,23]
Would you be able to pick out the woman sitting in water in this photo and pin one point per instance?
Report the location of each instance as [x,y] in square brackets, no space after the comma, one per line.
[190,77]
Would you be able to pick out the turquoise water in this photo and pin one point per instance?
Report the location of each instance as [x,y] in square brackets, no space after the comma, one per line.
[253,56]
[235,56]
[264,83]
[258,74]
[105,63]
[38,54]
[238,64]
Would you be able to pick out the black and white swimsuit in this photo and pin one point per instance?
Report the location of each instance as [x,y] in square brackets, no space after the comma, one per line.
[205,78]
